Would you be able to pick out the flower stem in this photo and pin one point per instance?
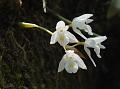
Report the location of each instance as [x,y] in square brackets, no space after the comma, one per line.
[64,48]
[79,43]
[44,29]
[31,25]
[59,16]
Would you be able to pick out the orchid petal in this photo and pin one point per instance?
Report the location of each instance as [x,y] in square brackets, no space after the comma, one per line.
[85,16]
[89,30]
[61,65]
[78,23]
[66,28]
[60,24]
[89,54]
[101,46]
[89,21]
[68,52]
[90,43]
[97,51]
[71,67]
[79,61]
[53,39]
[63,39]
[72,38]
[100,39]
[79,33]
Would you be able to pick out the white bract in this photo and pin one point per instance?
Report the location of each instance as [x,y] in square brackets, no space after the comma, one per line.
[62,35]
[81,23]
[71,62]
[96,44]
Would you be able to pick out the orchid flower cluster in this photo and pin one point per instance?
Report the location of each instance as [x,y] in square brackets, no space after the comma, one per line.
[72,61]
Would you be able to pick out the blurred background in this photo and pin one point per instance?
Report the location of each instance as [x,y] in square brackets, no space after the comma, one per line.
[28,61]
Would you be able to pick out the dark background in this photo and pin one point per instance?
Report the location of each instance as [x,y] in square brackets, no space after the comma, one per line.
[28,61]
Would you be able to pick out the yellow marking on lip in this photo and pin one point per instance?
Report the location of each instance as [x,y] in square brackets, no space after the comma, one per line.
[62,37]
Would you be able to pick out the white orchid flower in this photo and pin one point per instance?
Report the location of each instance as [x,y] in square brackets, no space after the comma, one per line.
[96,44]
[62,35]
[81,22]
[71,62]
